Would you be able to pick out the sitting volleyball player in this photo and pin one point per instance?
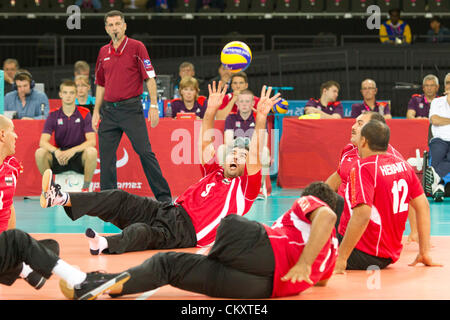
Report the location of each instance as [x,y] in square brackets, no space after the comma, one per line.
[250,260]
[194,217]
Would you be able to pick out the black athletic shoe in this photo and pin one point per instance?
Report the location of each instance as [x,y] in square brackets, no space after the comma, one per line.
[95,284]
[35,280]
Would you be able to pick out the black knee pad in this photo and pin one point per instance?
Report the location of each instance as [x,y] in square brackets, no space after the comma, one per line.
[50,244]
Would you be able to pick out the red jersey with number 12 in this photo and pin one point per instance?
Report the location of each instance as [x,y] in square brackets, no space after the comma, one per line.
[349,156]
[386,183]
[288,237]
[9,171]
[214,197]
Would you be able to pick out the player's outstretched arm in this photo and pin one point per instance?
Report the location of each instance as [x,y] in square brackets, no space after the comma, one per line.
[355,229]
[322,224]
[422,207]
[258,139]
[334,181]
[216,94]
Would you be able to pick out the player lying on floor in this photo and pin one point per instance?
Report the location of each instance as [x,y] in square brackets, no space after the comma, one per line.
[248,259]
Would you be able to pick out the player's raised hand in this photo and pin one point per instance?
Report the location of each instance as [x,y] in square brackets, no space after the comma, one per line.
[298,273]
[216,95]
[266,103]
[426,260]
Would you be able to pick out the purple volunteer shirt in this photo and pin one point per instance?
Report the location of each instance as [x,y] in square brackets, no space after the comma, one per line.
[242,128]
[380,107]
[69,131]
[332,107]
[420,104]
[179,106]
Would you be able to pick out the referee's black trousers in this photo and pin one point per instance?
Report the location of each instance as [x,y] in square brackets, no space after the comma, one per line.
[16,247]
[128,118]
[240,265]
[145,223]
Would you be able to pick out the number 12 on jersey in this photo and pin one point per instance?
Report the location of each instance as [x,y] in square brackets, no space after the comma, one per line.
[400,186]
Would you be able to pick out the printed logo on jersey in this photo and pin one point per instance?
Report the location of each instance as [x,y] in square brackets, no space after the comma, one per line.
[353,186]
[147,64]
[208,188]
[60,122]
[226,181]
[303,203]
[9,181]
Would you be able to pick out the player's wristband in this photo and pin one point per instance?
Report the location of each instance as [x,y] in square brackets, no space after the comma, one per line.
[153,106]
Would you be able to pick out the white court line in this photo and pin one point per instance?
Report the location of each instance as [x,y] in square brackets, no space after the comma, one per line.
[148,294]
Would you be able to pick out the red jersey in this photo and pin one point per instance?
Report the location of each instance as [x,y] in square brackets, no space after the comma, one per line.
[386,183]
[214,197]
[234,109]
[122,72]
[349,156]
[288,237]
[9,171]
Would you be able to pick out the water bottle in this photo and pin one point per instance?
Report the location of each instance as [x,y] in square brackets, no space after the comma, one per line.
[145,98]
[160,107]
[169,110]
[176,93]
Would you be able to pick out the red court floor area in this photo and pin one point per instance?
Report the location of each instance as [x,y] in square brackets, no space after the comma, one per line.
[399,281]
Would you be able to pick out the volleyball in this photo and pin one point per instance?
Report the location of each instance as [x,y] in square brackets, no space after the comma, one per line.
[236,56]
[281,106]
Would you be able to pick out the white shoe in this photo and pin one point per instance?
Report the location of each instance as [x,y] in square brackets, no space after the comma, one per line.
[51,192]
[438,193]
[432,179]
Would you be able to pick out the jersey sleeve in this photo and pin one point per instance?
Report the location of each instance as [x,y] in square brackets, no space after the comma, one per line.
[339,109]
[310,103]
[362,186]
[416,188]
[412,104]
[305,205]
[253,185]
[434,108]
[229,123]
[99,72]
[88,123]
[49,125]
[145,65]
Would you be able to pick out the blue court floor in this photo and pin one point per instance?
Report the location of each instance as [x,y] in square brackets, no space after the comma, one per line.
[33,219]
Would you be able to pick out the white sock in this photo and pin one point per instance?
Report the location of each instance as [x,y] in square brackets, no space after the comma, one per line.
[97,243]
[69,273]
[26,270]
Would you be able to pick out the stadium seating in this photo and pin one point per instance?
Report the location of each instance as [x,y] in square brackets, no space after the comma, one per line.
[286,6]
[338,6]
[36,6]
[265,6]
[187,6]
[59,5]
[108,5]
[361,5]
[237,5]
[438,6]
[312,6]
[386,5]
[413,6]
[9,6]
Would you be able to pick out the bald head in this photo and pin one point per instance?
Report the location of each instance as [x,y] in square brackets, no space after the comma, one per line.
[5,122]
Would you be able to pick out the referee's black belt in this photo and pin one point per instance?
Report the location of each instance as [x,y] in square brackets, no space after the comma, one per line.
[122,102]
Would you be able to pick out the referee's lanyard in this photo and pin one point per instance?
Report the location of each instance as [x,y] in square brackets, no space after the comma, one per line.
[368,108]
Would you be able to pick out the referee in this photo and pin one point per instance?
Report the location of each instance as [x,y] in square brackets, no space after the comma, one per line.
[122,67]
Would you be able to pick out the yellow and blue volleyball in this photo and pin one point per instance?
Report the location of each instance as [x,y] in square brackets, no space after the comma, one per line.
[281,106]
[236,56]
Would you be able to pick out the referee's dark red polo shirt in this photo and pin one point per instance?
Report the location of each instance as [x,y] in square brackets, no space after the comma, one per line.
[122,72]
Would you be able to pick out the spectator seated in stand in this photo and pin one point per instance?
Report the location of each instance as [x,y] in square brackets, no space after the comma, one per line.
[369,91]
[239,82]
[241,125]
[27,102]
[74,139]
[95,5]
[83,98]
[81,67]
[437,32]
[395,30]
[210,4]
[437,173]
[186,69]
[419,104]
[224,75]
[161,5]
[10,67]
[327,106]
[190,101]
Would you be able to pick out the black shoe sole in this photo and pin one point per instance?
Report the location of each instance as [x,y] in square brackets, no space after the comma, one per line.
[109,285]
